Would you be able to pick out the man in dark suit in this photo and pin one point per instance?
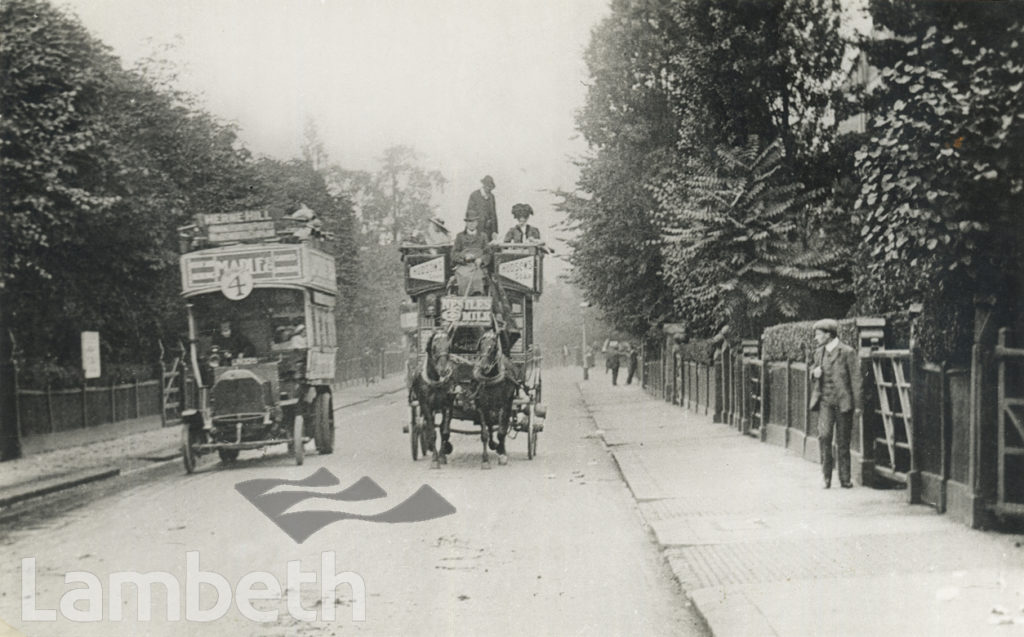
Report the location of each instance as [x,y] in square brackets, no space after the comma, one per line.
[482,203]
[522,232]
[231,343]
[613,359]
[835,392]
[471,255]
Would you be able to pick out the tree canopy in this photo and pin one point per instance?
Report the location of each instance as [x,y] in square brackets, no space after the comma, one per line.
[100,166]
[816,217]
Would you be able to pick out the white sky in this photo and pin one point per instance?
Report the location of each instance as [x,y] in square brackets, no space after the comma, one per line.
[477,86]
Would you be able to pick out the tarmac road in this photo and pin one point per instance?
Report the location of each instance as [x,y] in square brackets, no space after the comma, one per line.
[552,546]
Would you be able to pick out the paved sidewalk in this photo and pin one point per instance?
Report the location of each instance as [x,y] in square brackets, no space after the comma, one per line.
[761,548]
[117,448]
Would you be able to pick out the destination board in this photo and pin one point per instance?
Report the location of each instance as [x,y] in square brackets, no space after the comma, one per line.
[243,225]
[206,270]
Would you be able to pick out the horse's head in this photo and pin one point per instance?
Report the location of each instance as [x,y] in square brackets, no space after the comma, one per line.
[488,347]
[438,349]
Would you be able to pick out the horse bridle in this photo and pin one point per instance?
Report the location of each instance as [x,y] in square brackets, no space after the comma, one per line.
[426,362]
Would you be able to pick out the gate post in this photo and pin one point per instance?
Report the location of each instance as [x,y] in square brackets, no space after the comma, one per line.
[870,337]
[983,466]
[916,363]
[10,427]
[749,350]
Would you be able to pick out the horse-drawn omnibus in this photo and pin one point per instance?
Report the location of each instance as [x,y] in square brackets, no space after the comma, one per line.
[260,299]
[473,357]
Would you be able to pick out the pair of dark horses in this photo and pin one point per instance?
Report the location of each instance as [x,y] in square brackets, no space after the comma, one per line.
[493,389]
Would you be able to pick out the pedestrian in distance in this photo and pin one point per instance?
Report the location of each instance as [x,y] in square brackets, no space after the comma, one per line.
[612,360]
[482,203]
[634,361]
[835,393]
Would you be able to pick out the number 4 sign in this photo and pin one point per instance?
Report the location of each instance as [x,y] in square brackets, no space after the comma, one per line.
[236,284]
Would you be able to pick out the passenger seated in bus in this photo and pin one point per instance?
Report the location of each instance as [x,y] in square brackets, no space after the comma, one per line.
[471,256]
[298,340]
[437,233]
[290,337]
[522,232]
[470,244]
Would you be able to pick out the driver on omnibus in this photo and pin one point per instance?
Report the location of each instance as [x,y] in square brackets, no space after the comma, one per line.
[231,343]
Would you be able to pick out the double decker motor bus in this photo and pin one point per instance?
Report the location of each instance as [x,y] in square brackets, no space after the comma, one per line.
[260,295]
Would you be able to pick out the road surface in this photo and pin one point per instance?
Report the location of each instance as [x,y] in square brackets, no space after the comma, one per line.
[550,546]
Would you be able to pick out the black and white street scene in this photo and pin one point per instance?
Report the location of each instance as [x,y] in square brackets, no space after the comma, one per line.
[698,318]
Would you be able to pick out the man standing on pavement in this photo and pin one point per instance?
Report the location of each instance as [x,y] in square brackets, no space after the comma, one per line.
[612,359]
[634,359]
[835,394]
[482,203]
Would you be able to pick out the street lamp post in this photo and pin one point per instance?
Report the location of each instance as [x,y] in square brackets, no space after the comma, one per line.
[583,350]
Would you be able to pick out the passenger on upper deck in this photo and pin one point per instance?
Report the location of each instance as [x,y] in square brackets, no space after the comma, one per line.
[471,244]
[437,233]
[471,256]
[482,202]
[522,232]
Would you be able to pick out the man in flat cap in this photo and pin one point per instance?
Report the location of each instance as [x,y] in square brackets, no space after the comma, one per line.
[482,202]
[835,392]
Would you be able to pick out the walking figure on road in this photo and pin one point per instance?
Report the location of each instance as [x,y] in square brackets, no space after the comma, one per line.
[834,393]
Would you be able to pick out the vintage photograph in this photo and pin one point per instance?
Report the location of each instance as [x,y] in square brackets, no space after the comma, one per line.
[696,318]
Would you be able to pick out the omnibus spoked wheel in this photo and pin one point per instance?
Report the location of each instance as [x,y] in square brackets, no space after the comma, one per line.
[323,429]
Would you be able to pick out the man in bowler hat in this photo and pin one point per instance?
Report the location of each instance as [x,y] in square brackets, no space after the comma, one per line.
[835,392]
[482,203]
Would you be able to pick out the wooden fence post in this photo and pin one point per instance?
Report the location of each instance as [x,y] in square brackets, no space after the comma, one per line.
[789,402]
[10,417]
[85,406]
[138,411]
[113,400]
[764,400]
[946,435]
[49,408]
[163,387]
[805,408]
[870,337]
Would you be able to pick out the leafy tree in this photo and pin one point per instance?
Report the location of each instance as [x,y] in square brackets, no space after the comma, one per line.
[629,125]
[941,190]
[392,203]
[52,81]
[739,245]
[285,186]
[99,167]
[673,84]
[396,200]
[749,67]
